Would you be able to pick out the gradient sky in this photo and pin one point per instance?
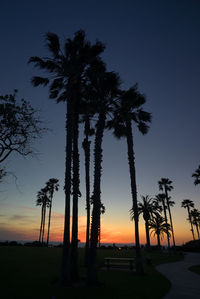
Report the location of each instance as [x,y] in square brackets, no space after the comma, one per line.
[155,43]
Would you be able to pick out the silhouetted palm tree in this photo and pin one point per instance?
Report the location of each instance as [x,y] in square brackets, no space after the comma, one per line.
[187,203]
[165,185]
[103,210]
[86,147]
[52,186]
[158,226]
[161,198]
[148,207]
[196,175]
[195,214]
[102,89]
[44,202]
[128,109]
[66,71]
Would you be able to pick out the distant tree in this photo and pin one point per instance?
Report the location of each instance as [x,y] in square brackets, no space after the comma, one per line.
[188,204]
[52,186]
[147,207]
[195,214]
[158,226]
[165,185]
[19,126]
[196,176]
[161,198]
[44,202]
[127,110]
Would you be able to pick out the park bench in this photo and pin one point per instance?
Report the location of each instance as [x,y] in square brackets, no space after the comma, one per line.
[121,263]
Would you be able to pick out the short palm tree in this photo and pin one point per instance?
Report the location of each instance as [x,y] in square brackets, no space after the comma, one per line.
[52,186]
[195,214]
[188,204]
[43,201]
[165,185]
[128,109]
[147,207]
[158,227]
[196,176]
[161,198]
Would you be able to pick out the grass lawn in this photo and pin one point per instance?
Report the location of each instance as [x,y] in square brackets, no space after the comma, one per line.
[195,269]
[31,272]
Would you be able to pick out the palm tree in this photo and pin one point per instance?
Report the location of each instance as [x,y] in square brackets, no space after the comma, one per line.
[52,186]
[44,202]
[165,185]
[195,214]
[102,89]
[159,227]
[86,147]
[196,175]
[66,71]
[147,208]
[103,210]
[125,110]
[187,203]
[161,199]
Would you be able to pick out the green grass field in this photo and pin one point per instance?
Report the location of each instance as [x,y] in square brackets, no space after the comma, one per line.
[29,272]
[195,269]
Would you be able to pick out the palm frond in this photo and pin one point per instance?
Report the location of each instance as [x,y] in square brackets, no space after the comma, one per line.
[36,81]
[53,43]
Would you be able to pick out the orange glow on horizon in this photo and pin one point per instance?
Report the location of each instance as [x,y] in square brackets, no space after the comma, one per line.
[112,231]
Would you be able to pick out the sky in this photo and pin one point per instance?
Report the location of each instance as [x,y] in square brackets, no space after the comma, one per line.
[154,43]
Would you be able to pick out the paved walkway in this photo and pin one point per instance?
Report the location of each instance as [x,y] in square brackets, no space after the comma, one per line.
[185,284]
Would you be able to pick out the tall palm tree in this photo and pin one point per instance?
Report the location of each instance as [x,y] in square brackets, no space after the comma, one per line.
[159,227]
[125,111]
[147,207]
[103,210]
[44,202]
[161,199]
[66,73]
[195,217]
[188,204]
[52,186]
[196,175]
[165,185]
[103,89]
[88,131]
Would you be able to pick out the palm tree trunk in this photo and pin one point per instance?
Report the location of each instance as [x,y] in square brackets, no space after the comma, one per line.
[49,222]
[92,265]
[197,228]
[147,234]
[158,239]
[44,220]
[131,161]
[170,217]
[65,266]
[99,237]
[41,224]
[189,216]
[166,222]
[76,192]
[86,147]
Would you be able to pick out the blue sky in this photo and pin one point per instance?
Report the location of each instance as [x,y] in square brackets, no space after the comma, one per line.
[154,43]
